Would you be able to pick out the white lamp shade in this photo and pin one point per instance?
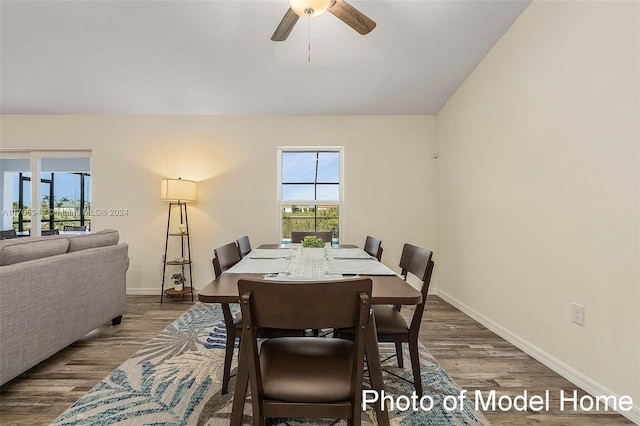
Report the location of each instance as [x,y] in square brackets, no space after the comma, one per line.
[318,7]
[178,190]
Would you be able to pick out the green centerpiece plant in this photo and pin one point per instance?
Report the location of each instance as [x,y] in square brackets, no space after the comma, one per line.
[311,241]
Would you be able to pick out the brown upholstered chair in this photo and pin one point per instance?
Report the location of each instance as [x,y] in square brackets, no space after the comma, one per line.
[373,247]
[8,234]
[391,325]
[224,258]
[244,246]
[305,377]
[74,228]
[46,232]
[298,236]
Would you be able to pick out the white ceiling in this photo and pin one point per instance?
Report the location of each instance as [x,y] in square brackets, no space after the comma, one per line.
[216,57]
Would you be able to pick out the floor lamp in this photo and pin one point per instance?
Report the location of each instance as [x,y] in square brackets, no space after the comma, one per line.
[178,192]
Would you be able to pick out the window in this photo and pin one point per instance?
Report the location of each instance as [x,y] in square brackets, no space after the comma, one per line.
[63,196]
[310,190]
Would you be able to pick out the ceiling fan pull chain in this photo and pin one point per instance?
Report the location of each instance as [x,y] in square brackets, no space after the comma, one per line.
[309,51]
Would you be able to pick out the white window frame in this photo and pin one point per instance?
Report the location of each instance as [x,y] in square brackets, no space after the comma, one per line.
[340,202]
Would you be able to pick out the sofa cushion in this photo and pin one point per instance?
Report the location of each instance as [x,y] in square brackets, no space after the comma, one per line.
[107,237]
[29,248]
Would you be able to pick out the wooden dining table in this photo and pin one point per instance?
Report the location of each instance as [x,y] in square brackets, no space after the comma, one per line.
[386,290]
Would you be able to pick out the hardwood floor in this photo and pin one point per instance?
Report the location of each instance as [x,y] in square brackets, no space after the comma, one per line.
[475,357]
[478,359]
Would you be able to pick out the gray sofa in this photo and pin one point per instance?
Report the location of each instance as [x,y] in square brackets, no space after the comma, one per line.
[54,290]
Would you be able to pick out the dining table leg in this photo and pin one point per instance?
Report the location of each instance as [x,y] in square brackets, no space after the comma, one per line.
[230,344]
[242,383]
[375,368]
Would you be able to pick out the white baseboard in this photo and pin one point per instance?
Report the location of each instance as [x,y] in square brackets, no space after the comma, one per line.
[143,292]
[569,373]
[154,291]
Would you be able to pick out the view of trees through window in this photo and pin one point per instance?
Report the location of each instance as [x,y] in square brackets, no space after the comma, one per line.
[310,218]
[310,191]
[59,198]
[65,200]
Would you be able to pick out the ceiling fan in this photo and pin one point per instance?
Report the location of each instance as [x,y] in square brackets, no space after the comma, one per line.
[313,8]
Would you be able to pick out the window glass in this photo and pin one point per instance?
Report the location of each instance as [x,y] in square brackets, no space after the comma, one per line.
[328,192]
[64,192]
[298,192]
[298,167]
[329,167]
[12,169]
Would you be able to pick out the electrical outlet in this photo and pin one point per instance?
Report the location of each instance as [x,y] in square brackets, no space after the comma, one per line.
[577,314]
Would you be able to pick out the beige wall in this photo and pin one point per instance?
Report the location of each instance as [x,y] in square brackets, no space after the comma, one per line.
[234,161]
[538,193]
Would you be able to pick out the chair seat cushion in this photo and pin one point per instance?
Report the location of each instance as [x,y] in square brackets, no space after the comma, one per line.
[389,320]
[307,369]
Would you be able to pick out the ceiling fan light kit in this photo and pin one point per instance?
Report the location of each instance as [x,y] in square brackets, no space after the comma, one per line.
[309,8]
[314,8]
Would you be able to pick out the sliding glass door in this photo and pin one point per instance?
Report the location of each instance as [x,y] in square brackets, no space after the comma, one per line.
[45,190]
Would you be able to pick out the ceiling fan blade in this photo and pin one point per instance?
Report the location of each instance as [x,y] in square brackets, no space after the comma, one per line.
[352,17]
[286,25]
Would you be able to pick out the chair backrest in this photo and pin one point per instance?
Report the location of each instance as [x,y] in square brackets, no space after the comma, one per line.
[46,232]
[373,246]
[301,305]
[8,234]
[298,236]
[225,257]
[74,228]
[310,304]
[417,261]
[244,246]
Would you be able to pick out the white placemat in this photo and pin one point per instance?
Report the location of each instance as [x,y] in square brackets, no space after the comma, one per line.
[269,253]
[348,253]
[258,266]
[359,267]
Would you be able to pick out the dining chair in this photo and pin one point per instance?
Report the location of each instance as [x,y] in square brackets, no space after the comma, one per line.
[46,232]
[305,377]
[74,228]
[298,236]
[373,247]
[224,258]
[391,325]
[8,234]
[244,246]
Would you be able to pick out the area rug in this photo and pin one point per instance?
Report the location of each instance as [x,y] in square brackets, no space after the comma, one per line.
[176,378]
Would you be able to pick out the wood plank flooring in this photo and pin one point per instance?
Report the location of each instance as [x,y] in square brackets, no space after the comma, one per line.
[478,359]
[475,357]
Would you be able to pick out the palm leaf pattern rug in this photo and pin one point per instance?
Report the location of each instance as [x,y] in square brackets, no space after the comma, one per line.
[175,379]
